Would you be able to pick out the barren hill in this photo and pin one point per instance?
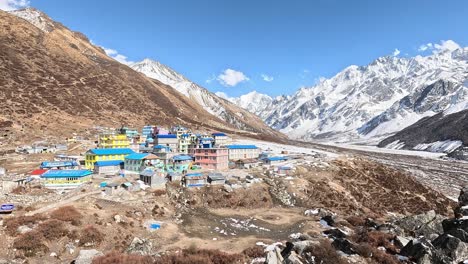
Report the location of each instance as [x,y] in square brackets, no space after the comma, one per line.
[53,79]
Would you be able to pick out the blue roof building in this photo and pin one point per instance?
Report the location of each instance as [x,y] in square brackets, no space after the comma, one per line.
[241,147]
[105,163]
[65,179]
[58,164]
[167,136]
[137,156]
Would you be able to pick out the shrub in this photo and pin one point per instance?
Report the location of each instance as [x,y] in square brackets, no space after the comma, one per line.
[30,243]
[375,239]
[324,253]
[356,220]
[119,258]
[159,192]
[19,190]
[91,236]
[254,252]
[13,223]
[201,256]
[68,214]
[52,229]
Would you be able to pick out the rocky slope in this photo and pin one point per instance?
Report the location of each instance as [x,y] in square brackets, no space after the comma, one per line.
[374,101]
[52,77]
[254,102]
[438,133]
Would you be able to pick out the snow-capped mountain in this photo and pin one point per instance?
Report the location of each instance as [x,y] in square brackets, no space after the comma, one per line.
[35,17]
[253,102]
[215,105]
[363,102]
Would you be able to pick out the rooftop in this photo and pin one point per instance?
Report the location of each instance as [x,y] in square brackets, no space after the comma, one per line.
[136,156]
[52,164]
[241,147]
[218,134]
[114,151]
[103,163]
[182,157]
[167,136]
[66,173]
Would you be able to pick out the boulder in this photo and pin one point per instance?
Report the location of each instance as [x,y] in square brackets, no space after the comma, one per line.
[449,224]
[274,257]
[422,224]
[86,256]
[463,197]
[140,246]
[459,233]
[334,233]
[401,241]
[300,246]
[452,247]
[328,219]
[423,252]
[23,229]
[344,246]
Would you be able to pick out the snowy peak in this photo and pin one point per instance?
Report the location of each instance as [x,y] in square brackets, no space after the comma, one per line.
[35,17]
[253,102]
[158,71]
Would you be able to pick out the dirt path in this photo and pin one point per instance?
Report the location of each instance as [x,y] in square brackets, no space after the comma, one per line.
[62,202]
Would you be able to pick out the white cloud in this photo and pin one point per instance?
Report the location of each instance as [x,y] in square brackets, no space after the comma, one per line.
[447,45]
[9,5]
[267,78]
[212,78]
[230,77]
[117,56]
[396,52]
[304,74]
[444,45]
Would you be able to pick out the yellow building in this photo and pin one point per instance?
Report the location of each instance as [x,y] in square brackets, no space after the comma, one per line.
[113,141]
[65,179]
[94,155]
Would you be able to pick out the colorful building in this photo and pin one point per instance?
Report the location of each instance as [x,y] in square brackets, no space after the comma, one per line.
[212,158]
[110,141]
[184,143]
[148,131]
[221,139]
[137,162]
[108,167]
[180,163]
[169,140]
[239,152]
[194,180]
[59,164]
[94,155]
[65,179]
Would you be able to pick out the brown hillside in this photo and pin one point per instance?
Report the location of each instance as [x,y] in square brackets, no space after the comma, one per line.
[56,80]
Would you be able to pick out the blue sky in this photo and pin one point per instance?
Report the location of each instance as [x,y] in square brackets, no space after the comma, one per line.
[274,47]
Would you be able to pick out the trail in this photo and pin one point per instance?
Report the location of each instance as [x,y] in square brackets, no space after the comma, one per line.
[62,203]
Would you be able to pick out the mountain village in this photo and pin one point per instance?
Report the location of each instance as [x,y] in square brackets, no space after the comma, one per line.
[109,161]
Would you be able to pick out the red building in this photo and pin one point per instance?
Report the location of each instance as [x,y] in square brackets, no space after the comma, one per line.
[212,158]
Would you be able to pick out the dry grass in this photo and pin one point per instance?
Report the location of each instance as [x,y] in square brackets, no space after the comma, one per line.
[201,256]
[90,236]
[356,220]
[13,223]
[30,243]
[254,252]
[19,190]
[324,253]
[368,242]
[52,229]
[67,214]
[254,197]
[119,258]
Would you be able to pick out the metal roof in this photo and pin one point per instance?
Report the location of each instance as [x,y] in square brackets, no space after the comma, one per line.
[113,151]
[103,163]
[193,174]
[276,158]
[167,136]
[241,147]
[182,157]
[218,134]
[66,173]
[53,164]
[136,156]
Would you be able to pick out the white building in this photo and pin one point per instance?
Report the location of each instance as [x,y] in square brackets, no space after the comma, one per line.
[239,152]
